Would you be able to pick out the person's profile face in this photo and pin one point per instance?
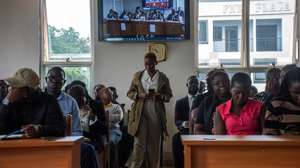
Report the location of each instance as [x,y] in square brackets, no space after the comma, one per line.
[220,85]
[294,90]
[149,65]
[240,93]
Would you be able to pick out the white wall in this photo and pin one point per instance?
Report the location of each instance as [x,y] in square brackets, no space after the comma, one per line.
[115,64]
[19,40]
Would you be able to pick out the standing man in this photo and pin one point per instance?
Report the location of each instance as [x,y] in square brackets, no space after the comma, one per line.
[182,116]
[55,80]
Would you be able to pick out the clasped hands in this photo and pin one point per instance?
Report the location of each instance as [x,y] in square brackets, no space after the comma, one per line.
[150,96]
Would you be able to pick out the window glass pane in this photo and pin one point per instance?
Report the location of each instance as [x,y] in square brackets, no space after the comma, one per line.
[273,27]
[217,33]
[69,29]
[76,73]
[259,80]
[202,32]
[224,33]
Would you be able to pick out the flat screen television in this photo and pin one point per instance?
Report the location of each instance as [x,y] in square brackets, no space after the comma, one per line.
[143,20]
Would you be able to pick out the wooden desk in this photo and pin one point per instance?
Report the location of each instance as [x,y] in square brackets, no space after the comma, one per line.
[241,151]
[40,153]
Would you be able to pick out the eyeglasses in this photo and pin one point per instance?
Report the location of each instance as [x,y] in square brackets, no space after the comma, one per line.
[55,79]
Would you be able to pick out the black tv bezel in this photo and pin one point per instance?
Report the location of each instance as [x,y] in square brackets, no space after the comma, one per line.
[101,21]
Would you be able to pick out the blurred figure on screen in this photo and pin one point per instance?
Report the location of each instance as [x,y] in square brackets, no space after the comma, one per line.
[173,16]
[139,14]
[124,15]
[112,15]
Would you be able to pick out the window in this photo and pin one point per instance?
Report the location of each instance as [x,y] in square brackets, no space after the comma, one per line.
[224,33]
[230,41]
[67,38]
[273,30]
[272,39]
[202,32]
[217,33]
[268,35]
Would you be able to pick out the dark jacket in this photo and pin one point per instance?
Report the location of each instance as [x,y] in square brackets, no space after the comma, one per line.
[37,108]
[206,112]
[182,110]
[100,127]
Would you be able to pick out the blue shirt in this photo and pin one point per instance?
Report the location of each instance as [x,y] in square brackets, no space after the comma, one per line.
[69,105]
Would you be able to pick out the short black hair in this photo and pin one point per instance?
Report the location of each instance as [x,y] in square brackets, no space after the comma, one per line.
[291,77]
[150,55]
[212,74]
[57,68]
[241,78]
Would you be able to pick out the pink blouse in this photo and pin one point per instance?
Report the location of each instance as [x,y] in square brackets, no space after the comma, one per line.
[246,123]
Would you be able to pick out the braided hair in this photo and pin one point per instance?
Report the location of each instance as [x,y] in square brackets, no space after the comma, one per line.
[291,77]
[211,75]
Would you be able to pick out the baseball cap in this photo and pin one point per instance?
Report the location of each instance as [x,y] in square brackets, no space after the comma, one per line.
[24,77]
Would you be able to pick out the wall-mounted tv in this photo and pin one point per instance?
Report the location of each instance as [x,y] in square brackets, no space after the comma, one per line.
[143,20]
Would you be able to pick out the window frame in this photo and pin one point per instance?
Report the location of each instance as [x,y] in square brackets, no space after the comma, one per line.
[45,60]
[245,65]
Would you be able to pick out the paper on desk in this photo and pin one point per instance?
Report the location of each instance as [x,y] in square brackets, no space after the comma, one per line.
[15,136]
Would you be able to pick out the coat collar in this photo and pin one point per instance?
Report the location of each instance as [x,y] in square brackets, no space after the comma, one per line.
[161,80]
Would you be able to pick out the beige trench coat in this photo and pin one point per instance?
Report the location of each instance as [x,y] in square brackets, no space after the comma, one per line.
[135,89]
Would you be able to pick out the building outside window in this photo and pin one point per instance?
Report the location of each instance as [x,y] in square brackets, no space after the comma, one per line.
[271,33]
[202,32]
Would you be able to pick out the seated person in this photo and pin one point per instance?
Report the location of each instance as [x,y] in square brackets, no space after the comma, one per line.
[180,14]
[218,82]
[37,113]
[113,15]
[126,143]
[201,93]
[282,116]
[173,16]
[124,15]
[55,80]
[240,115]
[182,115]
[93,128]
[3,89]
[138,13]
[272,86]
[97,89]
[115,115]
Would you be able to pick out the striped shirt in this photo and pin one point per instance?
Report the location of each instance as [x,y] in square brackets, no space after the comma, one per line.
[282,118]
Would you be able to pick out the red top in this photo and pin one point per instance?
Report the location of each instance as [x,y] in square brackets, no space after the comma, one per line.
[244,124]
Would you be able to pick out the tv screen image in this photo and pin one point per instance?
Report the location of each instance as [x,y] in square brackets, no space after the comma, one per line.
[143,20]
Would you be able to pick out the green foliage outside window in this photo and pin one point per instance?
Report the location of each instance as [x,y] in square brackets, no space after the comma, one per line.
[64,41]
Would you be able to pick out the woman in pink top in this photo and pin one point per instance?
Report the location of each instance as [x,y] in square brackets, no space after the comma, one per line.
[240,115]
